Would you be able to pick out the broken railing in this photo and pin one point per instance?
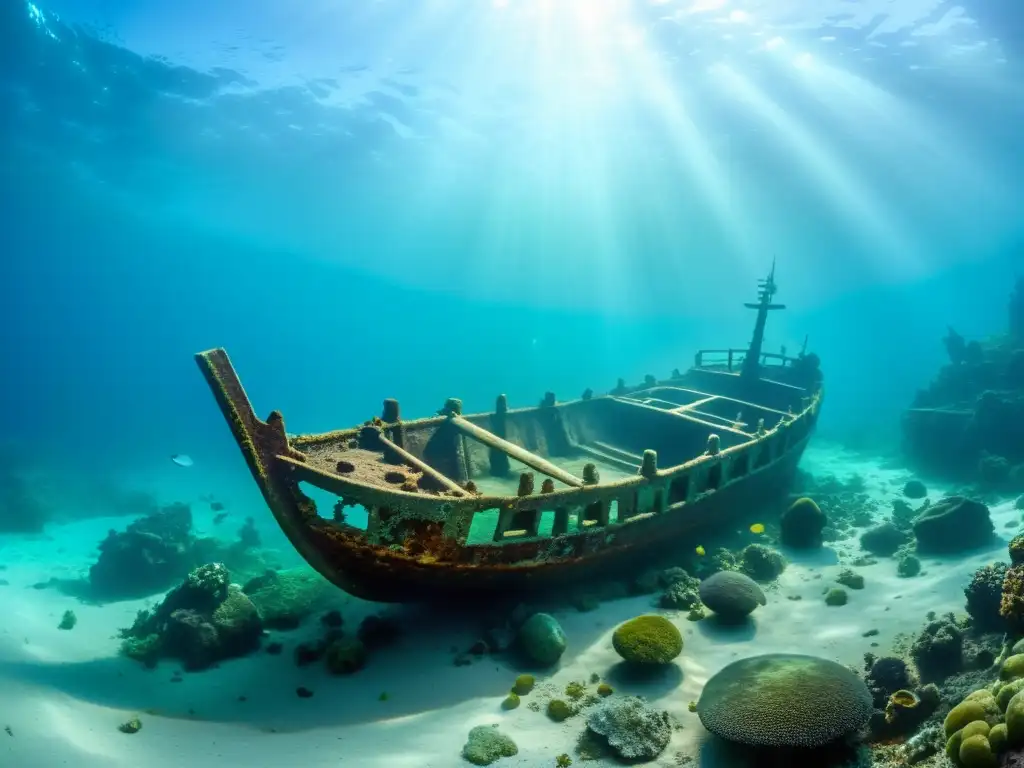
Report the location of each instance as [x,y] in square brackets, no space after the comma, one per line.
[733,358]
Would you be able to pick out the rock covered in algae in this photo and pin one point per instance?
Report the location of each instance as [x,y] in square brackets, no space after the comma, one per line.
[953,524]
[802,524]
[647,640]
[784,700]
[542,639]
[202,621]
[486,744]
[286,598]
[147,557]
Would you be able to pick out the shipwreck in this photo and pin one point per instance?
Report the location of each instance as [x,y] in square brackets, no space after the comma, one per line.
[533,498]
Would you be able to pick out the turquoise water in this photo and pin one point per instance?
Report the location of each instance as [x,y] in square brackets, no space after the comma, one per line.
[435,199]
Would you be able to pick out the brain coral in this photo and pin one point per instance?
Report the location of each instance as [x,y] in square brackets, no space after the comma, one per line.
[648,640]
[731,594]
[784,700]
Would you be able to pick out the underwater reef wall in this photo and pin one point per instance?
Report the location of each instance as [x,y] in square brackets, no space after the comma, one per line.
[968,423]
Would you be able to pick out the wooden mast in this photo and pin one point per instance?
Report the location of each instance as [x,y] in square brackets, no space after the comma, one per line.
[766,291]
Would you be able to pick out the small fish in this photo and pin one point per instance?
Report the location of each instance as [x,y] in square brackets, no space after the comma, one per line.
[220,518]
[8,731]
[182,460]
[757,528]
[383,696]
[217,506]
[700,551]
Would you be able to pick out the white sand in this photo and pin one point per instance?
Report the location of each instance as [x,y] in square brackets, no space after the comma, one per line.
[63,693]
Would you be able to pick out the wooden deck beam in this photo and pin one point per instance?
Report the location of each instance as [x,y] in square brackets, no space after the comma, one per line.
[532,460]
[422,466]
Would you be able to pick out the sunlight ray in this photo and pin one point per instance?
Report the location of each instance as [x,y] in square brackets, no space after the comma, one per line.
[898,127]
[839,183]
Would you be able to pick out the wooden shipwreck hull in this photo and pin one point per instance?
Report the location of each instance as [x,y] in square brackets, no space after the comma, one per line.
[449,505]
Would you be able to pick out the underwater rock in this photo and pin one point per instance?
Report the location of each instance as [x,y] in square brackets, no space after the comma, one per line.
[784,700]
[850,578]
[202,621]
[984,596]
[836,597]
[907,566]
[883,540]
[802,524]
[486,744]
[541,639]
[286,598]
[954,524]
[345,656]
[633,730]
[915,489]
[647,640]
[730,594]
[149,556]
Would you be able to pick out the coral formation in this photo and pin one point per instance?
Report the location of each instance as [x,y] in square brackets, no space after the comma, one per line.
[851,579]
[648,640]
[883,539]
[970,419]
[886,676]
[149,556]
[801,525]
[558,710]
[984,596]
[907,566]
[523,684]
[542,639]
[202,621]
[938,649]
[836,597]
[682,591]
[486,744]
[633,730]
[784,700]
[286,598]
[975,730]
[731,595]
[761,563]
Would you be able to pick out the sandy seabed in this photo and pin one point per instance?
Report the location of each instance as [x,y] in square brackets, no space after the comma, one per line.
[63,694]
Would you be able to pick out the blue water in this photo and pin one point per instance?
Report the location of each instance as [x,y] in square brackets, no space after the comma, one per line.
[356,205]
[433,198]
